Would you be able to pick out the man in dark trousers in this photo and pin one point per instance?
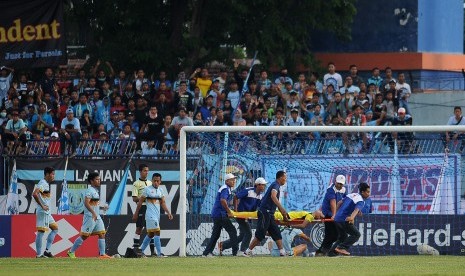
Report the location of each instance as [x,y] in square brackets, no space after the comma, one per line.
[266,222]
[334,194]
[221,217]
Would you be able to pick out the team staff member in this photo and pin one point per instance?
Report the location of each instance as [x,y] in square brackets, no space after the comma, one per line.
[137,190]
[221,217]
[92,223]
[154,198]
[44,219]
[350,206]
[334,194]
[266,222]
[246,200]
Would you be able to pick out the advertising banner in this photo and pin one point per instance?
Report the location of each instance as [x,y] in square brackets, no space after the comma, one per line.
[32,33]
[30,171]
[5,236]
[24,232]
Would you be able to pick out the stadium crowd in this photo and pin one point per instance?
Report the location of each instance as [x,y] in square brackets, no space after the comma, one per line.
[96,113]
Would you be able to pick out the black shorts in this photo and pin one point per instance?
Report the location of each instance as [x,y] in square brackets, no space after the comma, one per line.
[266,223]
[141,218]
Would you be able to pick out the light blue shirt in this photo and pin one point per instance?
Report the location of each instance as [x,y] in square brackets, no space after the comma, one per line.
[94,196]
[153,198]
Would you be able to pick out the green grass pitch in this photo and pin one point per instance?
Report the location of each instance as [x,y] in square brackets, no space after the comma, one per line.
[255,266]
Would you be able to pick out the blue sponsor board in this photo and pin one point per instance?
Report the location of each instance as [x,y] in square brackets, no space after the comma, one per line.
[5,236]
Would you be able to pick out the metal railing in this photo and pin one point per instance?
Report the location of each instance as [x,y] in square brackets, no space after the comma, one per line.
[213,143]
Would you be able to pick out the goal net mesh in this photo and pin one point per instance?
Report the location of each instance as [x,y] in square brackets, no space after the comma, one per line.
[416,185]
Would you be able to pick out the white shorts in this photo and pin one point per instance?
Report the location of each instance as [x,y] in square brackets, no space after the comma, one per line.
[44,221]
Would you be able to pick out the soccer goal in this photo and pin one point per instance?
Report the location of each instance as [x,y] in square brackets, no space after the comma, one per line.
[414,173]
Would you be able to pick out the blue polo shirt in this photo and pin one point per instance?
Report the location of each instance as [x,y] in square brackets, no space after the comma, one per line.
[349,203]
[332,193]
[368,207]
[249,200]
[267,205]
[223,193]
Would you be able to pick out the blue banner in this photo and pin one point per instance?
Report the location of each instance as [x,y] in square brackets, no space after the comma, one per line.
[5,236]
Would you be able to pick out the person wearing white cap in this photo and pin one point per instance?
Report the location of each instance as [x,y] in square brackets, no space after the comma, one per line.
[221,217]
[246,200]
[70,131]
[404,139]
[334,194]
[266,222]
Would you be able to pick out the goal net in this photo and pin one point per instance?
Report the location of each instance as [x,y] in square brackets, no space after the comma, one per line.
[416,184]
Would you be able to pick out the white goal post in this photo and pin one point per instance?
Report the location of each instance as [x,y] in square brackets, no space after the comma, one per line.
[289,129]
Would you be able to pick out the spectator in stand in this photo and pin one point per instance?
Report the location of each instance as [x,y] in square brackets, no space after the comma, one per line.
[221,119]
[6,76]
[337,107]
[152,128]
[227,108]
[90,87]
[301,83]
[238,120]
[177,123]
[390,105]
[64,81]
[292,103]
[405,140]
[31,110]
[203,81]
[457,137]
[148,148]
[48,82]
[107,92]
[233,94]
[356,79]
[117,105]
[100,74]
[183,98]
[112,127]
[83,105]
[205,109]
[198,119]
[80,82]
[121,81]
[332,77]
[376,79]
[263,83]
[70,132]
[74,99]
[240,78]
[378,106]
[216,93]
[356,118]
[163,90]
[181,78]
[141,111]
[130,105]
[197,100]
[405,92]
[86,121]
[161,78]
[388,72]
[15,132]
[102,115]
[222,79]
[96,134]
[130,121]
[282,79]
[95,101]
[314,78]
[139,79]
[42,119]
[129,93]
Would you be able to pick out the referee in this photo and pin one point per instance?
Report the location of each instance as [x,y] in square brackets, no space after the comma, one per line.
[137,190]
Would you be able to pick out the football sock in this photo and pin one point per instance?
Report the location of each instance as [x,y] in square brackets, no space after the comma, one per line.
[145,243]
[157,242]
[50,239]
[136,241]
[39,237]
[152,247]
[101,246]
[77,243]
